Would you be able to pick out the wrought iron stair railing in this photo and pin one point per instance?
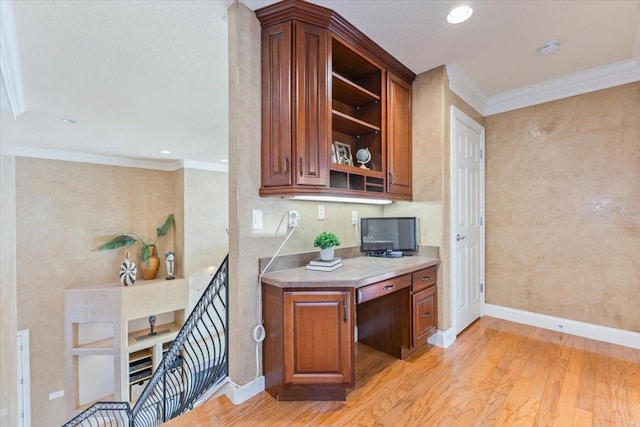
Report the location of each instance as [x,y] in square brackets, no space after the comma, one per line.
[196,361]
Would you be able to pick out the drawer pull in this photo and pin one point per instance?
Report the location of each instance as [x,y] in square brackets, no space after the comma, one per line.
[425,278]
[424,316]
[389,287]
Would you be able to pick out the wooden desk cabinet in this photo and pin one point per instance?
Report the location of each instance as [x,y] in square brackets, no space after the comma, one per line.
[308,352]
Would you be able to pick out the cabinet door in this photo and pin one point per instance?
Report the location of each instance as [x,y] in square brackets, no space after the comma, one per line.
[276,105]
[318,338]
[424,315]
[398,135]
[311,105]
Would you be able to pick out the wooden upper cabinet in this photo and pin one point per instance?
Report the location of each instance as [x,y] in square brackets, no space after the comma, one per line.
[323,81]
[276,104]
[294,105]
[398,136]
[310,104]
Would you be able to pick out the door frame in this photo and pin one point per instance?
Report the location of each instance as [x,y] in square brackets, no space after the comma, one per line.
[457,114]
[24,387]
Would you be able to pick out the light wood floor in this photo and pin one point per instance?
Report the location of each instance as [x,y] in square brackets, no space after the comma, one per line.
[497,373]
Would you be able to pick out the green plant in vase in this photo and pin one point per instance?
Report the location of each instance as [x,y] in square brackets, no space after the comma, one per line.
[326,241]
[148,256]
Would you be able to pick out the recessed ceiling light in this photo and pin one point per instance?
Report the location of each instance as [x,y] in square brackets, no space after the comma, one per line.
[459,14]
[549,47]
[224,161]
[165,152]
[69,121]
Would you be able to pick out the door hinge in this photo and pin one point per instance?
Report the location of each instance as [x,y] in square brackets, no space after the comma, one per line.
[480,153]
[481,287]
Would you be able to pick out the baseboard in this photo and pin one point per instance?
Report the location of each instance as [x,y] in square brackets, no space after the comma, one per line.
[442,339]
[238,394]
[573,327]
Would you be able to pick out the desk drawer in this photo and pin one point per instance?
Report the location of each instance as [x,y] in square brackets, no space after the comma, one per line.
[376,290]
[425,278]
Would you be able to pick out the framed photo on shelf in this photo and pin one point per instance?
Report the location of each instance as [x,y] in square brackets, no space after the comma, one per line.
[334,158]
[343,153]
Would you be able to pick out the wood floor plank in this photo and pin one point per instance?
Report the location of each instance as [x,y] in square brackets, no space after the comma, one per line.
[497,373]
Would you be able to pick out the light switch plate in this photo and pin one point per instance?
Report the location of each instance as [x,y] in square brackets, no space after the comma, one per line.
[256,219]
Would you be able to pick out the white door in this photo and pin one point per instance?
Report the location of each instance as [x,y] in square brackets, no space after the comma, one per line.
[24,398]
[467,224]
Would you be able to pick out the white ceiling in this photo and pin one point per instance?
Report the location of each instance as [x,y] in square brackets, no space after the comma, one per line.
[140,77]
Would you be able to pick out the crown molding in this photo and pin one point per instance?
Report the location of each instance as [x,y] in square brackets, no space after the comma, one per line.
[10,63]
[206,166]
[462,84]
[75,156]
[615,74]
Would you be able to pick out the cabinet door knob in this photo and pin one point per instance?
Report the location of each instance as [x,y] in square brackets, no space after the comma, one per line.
[424,316]
[425,278]
[388,287]
[285,165]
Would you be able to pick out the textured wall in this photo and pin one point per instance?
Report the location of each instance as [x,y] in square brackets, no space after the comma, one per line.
[206,218]
[563,208]
[431,101]
[64,210]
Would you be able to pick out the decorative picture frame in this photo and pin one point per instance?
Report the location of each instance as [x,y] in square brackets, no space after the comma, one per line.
[343,153]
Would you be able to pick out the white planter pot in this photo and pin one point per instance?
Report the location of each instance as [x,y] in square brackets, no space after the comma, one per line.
[326,254]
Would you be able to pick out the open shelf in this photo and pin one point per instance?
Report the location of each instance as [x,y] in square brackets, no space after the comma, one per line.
[350,125]
[134,344]
[104,347]
[351,93]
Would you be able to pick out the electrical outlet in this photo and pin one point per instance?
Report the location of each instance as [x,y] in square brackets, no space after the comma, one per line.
[320,212]
[354,217]
[294,217]
[256,219]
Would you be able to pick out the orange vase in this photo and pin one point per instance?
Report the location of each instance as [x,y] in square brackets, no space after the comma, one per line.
[150,270]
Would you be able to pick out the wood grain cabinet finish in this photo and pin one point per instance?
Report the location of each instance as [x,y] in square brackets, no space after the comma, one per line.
[325,81]
[423,305]
[399,136]
[308,350]
[295,123]
[318,336]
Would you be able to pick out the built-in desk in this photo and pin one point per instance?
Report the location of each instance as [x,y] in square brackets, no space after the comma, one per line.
[310,318]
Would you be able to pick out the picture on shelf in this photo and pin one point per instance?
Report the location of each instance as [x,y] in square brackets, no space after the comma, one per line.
[334,158]
[343,153]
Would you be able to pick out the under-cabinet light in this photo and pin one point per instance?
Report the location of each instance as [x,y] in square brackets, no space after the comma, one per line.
[340,199]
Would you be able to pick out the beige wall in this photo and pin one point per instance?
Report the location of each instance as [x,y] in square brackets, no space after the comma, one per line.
[65,210]
[206,219]
[8,315]
[563,208]
[431,158]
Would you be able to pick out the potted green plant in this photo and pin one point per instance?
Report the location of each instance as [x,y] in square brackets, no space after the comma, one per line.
[148,255]
[326,241]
